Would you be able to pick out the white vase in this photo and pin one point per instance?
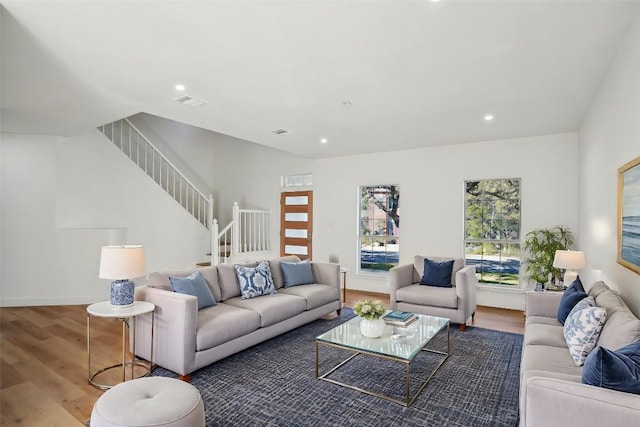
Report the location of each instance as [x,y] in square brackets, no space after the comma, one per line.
[372,328]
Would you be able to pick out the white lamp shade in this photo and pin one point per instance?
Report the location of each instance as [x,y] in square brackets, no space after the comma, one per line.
[569,260]
[121,262]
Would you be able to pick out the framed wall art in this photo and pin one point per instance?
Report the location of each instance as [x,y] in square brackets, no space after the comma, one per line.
[629,215]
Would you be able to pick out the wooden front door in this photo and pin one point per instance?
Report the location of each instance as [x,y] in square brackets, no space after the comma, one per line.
[296,223]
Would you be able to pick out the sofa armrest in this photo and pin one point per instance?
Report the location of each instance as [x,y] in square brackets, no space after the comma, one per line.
[542,303]
[399,277]
[466,283]
[174,339]
[554,402]
[326,273]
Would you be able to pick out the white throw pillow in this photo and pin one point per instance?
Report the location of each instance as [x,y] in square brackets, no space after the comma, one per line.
[582,329]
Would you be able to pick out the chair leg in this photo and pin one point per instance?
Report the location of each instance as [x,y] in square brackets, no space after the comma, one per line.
[473,316]
[338,311]
[185,378]
[463,326]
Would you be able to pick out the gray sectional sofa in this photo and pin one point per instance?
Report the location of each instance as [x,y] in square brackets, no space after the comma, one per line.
[551,388]
[186,339]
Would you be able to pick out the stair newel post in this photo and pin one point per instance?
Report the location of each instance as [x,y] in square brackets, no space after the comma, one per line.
[213,234]
[215,246]
[235,230]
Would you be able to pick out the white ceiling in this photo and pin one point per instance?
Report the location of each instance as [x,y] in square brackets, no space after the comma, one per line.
[417,73]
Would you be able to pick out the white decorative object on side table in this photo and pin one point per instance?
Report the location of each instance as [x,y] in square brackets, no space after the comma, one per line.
[128,317]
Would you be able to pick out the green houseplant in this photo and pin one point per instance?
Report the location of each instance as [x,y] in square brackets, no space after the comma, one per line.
[541,245]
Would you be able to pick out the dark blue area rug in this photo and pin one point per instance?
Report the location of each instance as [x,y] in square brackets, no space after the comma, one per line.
[274,383]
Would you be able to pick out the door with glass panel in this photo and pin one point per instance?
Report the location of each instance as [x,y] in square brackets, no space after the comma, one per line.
[296,223]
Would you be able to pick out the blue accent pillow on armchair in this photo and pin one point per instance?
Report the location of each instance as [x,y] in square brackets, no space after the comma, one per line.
[572,295]
[437,273]
[616,370]
[196,286]
[297,273]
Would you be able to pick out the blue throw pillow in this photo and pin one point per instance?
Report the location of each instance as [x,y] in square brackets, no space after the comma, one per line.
[437,273]
[616,370]
[572,295]
[255,281]
[297,273]
[578,284]
[196,286]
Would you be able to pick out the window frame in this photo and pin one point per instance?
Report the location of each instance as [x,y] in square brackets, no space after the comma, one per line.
[501,282]
[387,223]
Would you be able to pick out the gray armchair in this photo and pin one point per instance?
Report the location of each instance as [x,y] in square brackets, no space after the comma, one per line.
[456,303]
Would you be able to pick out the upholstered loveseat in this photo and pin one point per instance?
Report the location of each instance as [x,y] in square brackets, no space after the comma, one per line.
[186,339]
[457,301]
[552,392]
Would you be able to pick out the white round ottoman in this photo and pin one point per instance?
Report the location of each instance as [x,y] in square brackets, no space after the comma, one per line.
[151,401]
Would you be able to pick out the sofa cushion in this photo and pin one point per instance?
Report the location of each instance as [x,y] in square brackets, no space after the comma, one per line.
[228,280]
[569,299]
[255,281]
[622,326]
[432,296]
[617,370]
[582,329]
[272,308]
[541,334]
[418,267]
[315,295]
[297,273]
[548,358]
[222,323]
[195,285]
[160,279]
[542,320]
[276,271]
[597,288]
[437,273]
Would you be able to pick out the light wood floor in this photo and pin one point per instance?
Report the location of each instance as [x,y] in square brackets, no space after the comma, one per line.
[43,359]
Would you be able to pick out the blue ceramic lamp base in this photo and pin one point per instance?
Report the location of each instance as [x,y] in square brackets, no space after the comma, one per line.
[122,293]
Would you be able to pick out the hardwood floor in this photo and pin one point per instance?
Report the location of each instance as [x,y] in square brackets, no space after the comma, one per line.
[43,359]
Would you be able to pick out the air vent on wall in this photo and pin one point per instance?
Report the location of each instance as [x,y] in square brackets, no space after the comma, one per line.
[281,131]
[191,101]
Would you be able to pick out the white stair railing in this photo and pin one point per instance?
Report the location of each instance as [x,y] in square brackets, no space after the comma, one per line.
[147,156]
[248,232]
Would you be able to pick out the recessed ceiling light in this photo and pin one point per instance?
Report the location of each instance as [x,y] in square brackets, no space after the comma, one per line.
[346,104]
[180,87]
[324,140]
[488,117]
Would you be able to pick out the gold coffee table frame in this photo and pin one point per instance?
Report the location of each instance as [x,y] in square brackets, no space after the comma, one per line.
[419,345]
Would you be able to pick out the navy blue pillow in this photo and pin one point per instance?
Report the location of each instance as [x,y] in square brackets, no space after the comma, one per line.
[196,286]
[572,295]
[437,273]
[578,284]
[617,370]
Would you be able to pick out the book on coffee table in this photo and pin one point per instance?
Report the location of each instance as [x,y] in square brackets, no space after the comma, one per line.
[398,315]
[403,318]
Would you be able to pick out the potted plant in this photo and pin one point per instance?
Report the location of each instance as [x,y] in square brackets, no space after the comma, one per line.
[372,324]
[541,245]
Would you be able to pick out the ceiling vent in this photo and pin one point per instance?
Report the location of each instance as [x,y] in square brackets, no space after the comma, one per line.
[190,101]
[281,131]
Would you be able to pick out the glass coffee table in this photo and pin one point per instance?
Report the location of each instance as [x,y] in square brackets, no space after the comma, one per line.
[396,344]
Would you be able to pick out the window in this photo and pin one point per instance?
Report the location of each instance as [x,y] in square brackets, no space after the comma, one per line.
[492,229]
[379,228]
[296,180]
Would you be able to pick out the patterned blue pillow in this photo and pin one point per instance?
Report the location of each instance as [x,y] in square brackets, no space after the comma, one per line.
[582,329]
[255,281]
[616,370]
[196,286]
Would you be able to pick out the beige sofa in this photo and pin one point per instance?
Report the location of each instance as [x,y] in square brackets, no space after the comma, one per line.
[457,303]
[186,339]
[551,388]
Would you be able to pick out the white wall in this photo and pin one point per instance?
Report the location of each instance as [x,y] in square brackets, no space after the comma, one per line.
[609,138]
[432,196]
[62,199]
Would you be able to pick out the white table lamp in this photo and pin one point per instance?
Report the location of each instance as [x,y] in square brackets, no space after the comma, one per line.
[570,261]
[121,263]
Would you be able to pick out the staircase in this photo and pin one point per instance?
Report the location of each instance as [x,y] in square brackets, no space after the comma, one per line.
[248,232]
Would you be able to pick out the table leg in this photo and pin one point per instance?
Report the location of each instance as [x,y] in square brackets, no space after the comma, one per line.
[132,333]
[124,350]
[89,347]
